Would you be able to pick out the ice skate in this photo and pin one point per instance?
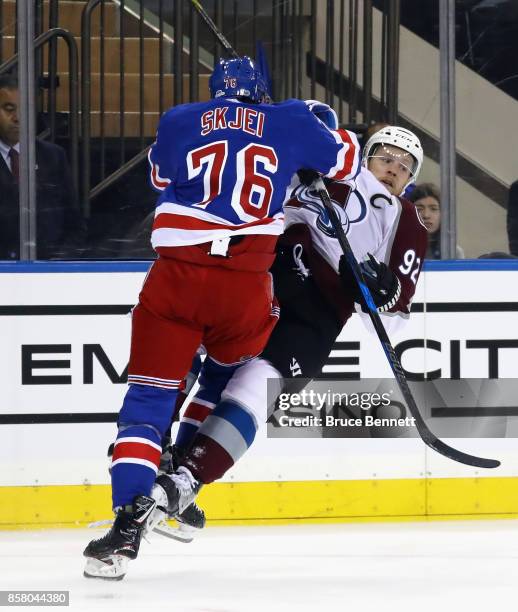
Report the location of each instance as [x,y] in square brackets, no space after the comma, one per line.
[174,495]
[108,557]
[191,520]
[188,523]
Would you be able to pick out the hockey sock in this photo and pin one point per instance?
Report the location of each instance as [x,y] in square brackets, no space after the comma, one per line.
[143,419]
[180,400]
[135,461]
[194,415]
[222,439]
[213,379]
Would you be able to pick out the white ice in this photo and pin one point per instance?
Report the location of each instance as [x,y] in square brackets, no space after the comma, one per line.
[439,566]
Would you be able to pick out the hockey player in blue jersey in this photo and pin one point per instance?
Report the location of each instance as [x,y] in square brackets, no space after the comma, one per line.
[222,169]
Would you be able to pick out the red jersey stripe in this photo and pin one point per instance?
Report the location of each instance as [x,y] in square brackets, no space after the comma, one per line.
[349,156]
[197,412]
[136,450]
[170,220]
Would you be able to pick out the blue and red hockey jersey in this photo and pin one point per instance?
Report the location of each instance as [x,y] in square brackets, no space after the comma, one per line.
[223,167]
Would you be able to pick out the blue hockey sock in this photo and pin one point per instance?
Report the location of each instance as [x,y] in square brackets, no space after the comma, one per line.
[143,419]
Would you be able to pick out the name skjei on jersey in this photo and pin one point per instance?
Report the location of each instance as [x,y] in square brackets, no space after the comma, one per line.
[242,118]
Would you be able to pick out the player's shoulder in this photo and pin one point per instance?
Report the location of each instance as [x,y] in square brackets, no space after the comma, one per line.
[291,103]
[292,107]
[411,214]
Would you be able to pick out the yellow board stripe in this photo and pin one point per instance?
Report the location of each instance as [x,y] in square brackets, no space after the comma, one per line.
[281,502]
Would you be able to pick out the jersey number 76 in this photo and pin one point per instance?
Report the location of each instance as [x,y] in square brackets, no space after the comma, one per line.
[213,157]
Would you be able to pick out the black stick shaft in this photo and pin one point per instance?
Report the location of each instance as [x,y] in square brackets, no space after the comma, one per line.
[219,35]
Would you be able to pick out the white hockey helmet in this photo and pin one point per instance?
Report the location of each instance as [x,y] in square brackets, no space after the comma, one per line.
[397,137]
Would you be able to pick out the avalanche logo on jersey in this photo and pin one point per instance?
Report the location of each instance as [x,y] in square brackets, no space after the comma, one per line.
[311,201]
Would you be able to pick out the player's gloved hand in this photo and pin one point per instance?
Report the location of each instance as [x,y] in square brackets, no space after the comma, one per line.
[324,112]
[383,284]
[307,177]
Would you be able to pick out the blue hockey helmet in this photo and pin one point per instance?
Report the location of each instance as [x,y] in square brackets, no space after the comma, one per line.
[238,78]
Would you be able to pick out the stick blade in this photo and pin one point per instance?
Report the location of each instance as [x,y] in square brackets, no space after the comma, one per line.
[457,455]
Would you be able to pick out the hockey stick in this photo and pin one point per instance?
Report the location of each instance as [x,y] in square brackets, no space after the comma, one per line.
[206,17]
[427,436]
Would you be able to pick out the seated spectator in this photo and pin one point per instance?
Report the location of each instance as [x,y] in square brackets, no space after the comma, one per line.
[427,198]
[60,230]
[512,219]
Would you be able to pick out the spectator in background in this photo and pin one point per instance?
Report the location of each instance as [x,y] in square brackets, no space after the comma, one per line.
[512,219]
[60,230]
[427,199]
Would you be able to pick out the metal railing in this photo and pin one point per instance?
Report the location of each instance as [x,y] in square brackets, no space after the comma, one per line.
[333,59]
[167,28]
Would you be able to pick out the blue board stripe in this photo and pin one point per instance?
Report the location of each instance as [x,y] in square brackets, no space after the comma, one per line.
[70,267]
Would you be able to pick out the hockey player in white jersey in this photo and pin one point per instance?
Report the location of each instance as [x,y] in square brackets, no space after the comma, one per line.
[317,294]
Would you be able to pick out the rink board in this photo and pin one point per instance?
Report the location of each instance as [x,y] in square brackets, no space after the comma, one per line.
[72,318]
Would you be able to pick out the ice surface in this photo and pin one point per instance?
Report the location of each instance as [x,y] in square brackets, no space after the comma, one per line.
[440,566]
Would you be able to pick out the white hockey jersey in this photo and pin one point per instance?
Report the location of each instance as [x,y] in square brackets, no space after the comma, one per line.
[374,221]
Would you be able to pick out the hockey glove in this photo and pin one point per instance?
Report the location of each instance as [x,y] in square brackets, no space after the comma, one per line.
[307,177]
[383,284]
[324,112]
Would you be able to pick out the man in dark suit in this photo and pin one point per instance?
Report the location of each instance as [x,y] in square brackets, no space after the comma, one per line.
[60,230]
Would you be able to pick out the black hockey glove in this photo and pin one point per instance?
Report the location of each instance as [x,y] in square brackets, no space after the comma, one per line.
[307,177]
[383,284]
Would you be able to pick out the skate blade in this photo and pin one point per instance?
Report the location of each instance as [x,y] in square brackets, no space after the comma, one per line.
[179,532]
[114,568]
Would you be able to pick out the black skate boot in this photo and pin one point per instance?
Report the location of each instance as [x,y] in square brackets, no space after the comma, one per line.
[192,519]
[175,494]
[108,556]
[193,516]
[188,523]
